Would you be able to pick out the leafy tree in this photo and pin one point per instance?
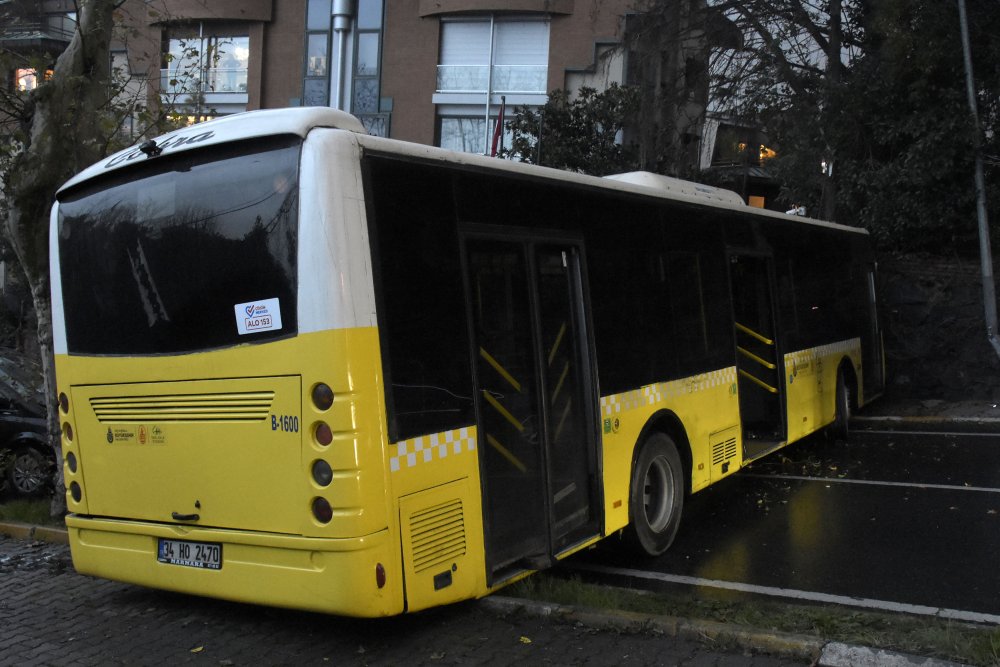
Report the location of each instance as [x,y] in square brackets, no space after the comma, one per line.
[69,121]
[876,92]
[908,169]
[581,134]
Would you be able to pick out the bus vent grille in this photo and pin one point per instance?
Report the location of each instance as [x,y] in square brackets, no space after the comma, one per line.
[437,535]
[723,451]
[230,407]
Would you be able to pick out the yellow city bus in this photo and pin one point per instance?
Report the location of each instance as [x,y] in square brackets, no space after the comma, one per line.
[302,366]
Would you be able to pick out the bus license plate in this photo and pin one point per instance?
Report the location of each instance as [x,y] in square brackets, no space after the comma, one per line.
[205,555]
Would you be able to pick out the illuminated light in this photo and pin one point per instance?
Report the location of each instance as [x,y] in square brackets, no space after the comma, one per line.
[321,510]
[380,575]
[71,462]
[64,402]
[322,396]
[67,431]
[76,492]
[322,472]
[323,434]
[27,79]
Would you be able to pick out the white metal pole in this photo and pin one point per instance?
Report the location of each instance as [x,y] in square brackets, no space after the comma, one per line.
[985,254]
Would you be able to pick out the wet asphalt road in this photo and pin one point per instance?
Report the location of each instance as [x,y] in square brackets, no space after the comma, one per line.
[895,519]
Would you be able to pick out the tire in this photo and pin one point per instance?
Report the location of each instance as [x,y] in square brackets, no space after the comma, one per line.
[656,496]
[30,472]
[843,402]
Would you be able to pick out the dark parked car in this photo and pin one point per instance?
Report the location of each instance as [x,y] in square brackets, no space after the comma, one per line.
[27,462]
[26,459]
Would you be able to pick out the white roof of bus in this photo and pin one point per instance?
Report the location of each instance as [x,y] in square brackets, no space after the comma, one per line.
[300,120]
[247,125]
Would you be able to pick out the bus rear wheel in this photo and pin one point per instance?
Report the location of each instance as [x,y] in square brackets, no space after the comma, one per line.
[656,497]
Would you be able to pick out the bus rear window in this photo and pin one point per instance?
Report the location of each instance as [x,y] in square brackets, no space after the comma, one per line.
[183,252]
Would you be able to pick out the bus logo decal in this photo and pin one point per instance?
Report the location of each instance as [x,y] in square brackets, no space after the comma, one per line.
[254,316]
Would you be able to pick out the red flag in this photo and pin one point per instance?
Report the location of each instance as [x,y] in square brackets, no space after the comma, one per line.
[498,130]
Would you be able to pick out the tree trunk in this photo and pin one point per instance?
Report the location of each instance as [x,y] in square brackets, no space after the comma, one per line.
[65,136]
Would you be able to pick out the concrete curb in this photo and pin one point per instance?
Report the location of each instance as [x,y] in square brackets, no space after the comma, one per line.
[26,531]
[782,644]
[787,645]
[926,423]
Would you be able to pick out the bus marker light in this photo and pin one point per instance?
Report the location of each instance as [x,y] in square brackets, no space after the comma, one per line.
[322,472]
[379,575]
[323,434]
[322,396]
[321,510]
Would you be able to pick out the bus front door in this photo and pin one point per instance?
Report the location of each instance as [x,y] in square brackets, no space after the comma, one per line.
[535,401]
[759,364]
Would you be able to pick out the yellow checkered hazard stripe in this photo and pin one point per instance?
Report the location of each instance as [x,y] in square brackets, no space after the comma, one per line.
[428,448]
[662,391]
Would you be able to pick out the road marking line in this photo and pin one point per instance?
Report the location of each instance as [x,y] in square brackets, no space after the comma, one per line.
[810,596]
[871,482]
[964,434]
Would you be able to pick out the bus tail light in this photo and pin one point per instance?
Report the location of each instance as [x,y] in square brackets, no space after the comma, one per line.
[322,472]
[322,397]
[380,575]
[76,492]
[322,510]
[323,434]
[64,402]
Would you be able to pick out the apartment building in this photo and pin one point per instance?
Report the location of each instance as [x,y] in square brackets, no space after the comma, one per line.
[428,71]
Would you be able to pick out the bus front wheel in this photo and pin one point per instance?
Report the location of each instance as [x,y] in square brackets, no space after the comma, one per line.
[656,497]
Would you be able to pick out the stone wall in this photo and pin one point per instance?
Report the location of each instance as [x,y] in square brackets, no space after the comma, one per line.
[934,330]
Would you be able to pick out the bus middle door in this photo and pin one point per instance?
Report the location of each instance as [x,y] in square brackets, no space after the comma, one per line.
[535,400]
[759,364]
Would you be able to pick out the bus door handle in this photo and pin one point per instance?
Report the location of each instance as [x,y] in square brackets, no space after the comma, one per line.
[185,517]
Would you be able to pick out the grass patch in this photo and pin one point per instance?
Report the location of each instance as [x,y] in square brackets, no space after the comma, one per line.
[34,511]
[917,635]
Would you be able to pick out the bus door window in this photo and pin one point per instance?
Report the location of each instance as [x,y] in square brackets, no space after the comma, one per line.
[507,402]
[758,360]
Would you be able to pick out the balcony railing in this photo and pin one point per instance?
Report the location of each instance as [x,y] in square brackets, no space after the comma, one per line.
[506,78]
[59,28]
[212,80]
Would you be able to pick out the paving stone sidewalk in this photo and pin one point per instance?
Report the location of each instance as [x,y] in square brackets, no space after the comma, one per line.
[50,615]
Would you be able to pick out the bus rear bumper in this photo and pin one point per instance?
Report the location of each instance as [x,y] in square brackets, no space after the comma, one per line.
[336,576]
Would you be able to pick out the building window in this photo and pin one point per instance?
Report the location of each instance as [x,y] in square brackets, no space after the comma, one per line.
[467,135]
[343,60]
[28,79]
[482,61]
[516,63]
[318,48]
[204,63]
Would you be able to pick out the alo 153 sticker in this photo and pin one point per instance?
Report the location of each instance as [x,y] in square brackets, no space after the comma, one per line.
[254,316]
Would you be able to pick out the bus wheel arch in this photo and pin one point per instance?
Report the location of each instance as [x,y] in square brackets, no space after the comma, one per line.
[659,482]
[845,399]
